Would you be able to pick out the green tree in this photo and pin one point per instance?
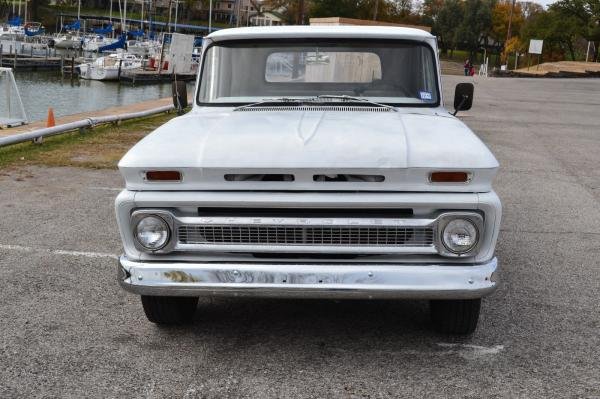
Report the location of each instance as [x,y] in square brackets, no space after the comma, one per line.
[447,23]
[5,8]
[586,13]
[475,28]
[558,31]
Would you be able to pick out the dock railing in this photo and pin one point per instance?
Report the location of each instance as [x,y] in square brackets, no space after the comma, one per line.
[36,135]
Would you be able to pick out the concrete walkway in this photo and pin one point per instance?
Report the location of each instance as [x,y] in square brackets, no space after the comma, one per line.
[122,109]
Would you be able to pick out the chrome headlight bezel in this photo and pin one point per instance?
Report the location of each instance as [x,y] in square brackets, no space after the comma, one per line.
[474,218]
[166,217]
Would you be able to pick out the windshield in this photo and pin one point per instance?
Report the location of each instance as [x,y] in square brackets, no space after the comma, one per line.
[389,72]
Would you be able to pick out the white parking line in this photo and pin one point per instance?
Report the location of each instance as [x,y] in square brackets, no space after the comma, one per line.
[469,351]
[116,189]
[84,254]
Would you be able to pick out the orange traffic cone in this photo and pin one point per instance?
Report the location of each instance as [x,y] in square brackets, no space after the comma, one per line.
[50,122]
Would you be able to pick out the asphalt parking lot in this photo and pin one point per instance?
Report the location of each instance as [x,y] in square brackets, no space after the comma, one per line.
[68,330]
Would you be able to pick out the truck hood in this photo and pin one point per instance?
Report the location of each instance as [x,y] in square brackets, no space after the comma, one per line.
[379,149]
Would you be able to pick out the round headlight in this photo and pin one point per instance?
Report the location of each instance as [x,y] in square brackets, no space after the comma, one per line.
[460,236]
[152,232]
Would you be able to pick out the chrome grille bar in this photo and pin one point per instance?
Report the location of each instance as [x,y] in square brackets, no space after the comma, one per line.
[378,236]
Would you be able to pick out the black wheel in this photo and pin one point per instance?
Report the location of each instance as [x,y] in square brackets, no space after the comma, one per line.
[169,309]
[455,316]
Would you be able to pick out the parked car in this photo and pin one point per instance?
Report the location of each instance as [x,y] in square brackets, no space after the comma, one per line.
[316,162]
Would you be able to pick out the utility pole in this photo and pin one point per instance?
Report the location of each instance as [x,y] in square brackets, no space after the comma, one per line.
[510,16]
[376,10]
[209,15]
[301,12]
[512,6]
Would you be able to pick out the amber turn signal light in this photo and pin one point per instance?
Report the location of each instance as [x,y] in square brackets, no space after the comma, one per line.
[163,175]
[449,177]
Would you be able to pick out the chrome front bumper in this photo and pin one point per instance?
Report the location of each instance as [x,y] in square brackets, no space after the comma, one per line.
[309,280]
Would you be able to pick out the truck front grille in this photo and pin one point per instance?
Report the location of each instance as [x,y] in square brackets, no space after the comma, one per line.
[376,236]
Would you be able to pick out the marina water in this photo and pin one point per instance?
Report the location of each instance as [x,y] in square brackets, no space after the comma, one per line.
[40,90]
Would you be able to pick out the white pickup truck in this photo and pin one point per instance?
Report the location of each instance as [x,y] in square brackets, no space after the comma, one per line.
[316,162]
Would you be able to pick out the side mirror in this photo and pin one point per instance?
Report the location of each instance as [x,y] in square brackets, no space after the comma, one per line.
[463,97]
[180,99]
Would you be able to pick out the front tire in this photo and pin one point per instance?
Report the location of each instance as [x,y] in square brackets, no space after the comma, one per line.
[455,316]
[169,309]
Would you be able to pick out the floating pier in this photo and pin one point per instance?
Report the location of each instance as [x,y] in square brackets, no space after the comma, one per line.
[16,56]
[19,62]
[140,76]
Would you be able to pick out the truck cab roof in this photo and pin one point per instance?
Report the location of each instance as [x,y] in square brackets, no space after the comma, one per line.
[305,31]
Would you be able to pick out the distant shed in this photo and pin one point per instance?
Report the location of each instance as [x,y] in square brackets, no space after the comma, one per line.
[337,21]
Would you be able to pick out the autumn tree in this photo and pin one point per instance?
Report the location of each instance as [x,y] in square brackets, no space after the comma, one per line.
[530,8]
[501,14]
[381,10]
[506,16]
[294,12]
[361,9]
[430,11]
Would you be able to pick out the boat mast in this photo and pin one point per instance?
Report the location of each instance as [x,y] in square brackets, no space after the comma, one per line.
[112,33]
[79,16]
[176,8]
[121,15]
[142,19]
[170,8]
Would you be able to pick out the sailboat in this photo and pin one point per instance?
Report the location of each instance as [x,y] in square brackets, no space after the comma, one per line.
[100,39]
[107,67]
[71,39]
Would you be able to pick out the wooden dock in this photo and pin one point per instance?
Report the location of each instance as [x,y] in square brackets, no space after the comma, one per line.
[140,76]
[26,62]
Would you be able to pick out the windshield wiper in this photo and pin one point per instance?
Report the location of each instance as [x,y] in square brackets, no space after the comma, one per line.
[283,100]
[313,100]
[357,99]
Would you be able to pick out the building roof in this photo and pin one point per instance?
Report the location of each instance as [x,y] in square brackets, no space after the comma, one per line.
[305,31]
[339,21]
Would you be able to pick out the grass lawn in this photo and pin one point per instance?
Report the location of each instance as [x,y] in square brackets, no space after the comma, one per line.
[98,148]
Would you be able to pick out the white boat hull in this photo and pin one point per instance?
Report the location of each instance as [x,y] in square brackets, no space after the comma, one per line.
[107,68]
[91,72]
[67,43]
